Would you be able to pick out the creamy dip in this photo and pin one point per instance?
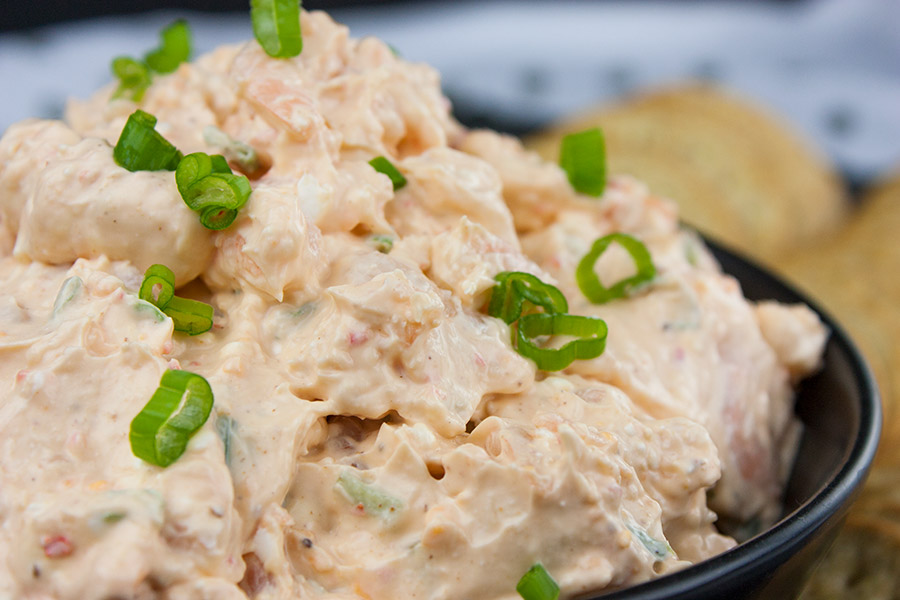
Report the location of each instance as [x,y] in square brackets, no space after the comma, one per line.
[344,371]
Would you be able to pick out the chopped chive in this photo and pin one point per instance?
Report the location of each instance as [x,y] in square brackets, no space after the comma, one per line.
[174,48]
[276,26]
[590,284]
[142,148]
[583,157]
[177,409]
[385,167]
[537,584]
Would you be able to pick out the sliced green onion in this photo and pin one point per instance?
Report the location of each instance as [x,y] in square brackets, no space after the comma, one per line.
[590,284]
[142,148]
[209,188]
[659,549]
[382,243]
[162,276]
[537,584]
[226,427]
[148,309]
[174,48]
[188,316]
[508,298]
[583,157]
[134,78]
[112,517]
[70,288]
[591,332]
[217,218]
[239,153]
[225,190]
[514,288]
[276,25]
[371,498]
[197,165]
[304,311]
[385,167]
[178,408]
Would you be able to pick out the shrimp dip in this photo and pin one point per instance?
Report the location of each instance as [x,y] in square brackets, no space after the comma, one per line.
[274,325]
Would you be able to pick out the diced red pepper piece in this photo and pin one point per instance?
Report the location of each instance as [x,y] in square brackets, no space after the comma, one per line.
[57,546]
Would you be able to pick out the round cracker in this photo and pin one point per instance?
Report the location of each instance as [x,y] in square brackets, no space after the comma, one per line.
[862,563]
[737,173]
[854,275]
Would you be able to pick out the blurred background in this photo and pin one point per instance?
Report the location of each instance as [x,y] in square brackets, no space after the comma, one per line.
[830,67]
[774,125]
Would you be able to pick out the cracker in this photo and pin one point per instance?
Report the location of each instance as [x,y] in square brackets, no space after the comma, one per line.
[854,275]
[862,563]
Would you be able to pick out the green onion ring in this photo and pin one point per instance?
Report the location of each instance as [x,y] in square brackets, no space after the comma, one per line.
[513,288]
[537,584]
[178,408]
[583,157]
[174,48]
[591,332]
[590,284]
[217,217]
[162,276]
[197,165]
[276,26]
[224,190]
[209,187]
[189,316]
[141,148]
[134,78]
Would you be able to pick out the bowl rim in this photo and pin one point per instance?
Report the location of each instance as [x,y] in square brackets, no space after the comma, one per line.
[772,547]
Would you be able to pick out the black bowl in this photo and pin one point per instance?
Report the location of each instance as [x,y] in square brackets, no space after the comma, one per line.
[841,413]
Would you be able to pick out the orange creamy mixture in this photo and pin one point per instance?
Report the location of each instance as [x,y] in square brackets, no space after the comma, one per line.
[341,372]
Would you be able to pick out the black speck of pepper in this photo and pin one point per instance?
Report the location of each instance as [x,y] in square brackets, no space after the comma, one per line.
[307,543]
[35,571]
